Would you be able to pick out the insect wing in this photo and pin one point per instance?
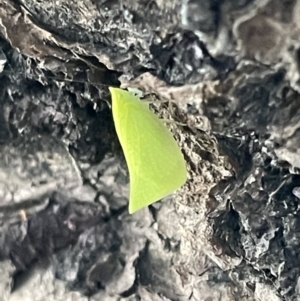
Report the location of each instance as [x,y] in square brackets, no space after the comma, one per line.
[155,162]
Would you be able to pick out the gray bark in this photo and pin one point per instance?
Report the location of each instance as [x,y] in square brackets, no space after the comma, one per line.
[230,73]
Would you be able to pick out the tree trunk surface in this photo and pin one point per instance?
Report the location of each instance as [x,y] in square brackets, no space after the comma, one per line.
[227,72]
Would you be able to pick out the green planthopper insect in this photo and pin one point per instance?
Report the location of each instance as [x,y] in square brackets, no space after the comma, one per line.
[155,162]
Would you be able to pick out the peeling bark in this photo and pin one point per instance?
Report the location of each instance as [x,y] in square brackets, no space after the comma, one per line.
[227,72]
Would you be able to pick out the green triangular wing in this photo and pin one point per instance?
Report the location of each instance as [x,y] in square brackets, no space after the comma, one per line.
[155,162]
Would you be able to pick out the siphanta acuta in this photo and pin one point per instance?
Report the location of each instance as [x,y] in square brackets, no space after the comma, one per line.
[155,162]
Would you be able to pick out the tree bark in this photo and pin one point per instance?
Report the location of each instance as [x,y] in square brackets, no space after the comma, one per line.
[228,74]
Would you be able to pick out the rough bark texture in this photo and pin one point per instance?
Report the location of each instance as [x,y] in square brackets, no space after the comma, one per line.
[230,71]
